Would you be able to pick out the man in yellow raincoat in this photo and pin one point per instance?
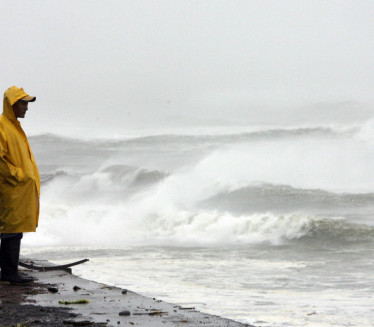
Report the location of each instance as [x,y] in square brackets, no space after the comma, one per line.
[19,184]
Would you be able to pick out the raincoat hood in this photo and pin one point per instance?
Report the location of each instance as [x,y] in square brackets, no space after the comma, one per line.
[11,96]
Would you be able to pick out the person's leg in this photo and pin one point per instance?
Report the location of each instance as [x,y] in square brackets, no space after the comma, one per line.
[10,249]
[5,236]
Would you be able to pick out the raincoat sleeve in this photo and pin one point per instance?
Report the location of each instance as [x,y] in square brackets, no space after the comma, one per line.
[8,171]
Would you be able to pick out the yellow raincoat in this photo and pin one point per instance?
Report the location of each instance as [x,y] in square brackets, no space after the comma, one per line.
[19,175]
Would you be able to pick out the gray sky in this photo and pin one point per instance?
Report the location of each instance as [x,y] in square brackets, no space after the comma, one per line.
[121,65]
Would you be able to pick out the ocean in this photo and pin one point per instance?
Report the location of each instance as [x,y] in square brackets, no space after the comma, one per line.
[268,226]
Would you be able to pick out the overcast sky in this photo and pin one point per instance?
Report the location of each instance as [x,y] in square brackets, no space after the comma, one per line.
[123,64]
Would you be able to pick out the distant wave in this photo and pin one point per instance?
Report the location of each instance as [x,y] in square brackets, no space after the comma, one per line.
[264,134]
[127,176]
[253,135]
[283,198]
[45,178]
[134,176]
[51,138]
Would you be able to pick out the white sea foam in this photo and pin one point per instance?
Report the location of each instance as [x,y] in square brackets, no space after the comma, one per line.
[91,211]
[115,226]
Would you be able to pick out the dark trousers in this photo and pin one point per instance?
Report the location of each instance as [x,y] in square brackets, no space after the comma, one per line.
[16,236]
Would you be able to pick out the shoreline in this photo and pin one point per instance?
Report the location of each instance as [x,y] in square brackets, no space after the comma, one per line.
[38,304]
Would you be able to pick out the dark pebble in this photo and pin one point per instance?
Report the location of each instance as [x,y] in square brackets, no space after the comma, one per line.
[125,313]
[76,288]
[124,292]
[53,289]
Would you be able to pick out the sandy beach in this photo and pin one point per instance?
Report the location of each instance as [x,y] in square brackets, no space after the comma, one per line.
[40,304]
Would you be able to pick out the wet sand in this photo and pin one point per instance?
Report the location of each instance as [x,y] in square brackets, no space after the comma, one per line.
[38,304]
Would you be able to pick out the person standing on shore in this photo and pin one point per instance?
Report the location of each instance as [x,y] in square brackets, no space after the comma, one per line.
[19,184]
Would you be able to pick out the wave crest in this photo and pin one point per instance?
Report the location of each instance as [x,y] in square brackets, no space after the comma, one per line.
[284,198]
[134,176]
[129,226]
[48,177]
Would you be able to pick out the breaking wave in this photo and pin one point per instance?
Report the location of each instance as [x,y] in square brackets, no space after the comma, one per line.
[126,176]
[260,187]
[129,206]
[119,226]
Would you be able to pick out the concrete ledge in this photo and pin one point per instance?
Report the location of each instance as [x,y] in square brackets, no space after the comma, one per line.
[24,305]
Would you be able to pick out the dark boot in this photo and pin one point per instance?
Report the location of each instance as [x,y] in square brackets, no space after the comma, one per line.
[9,258]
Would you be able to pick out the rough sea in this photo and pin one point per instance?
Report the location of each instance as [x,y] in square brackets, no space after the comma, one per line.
[273,227]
